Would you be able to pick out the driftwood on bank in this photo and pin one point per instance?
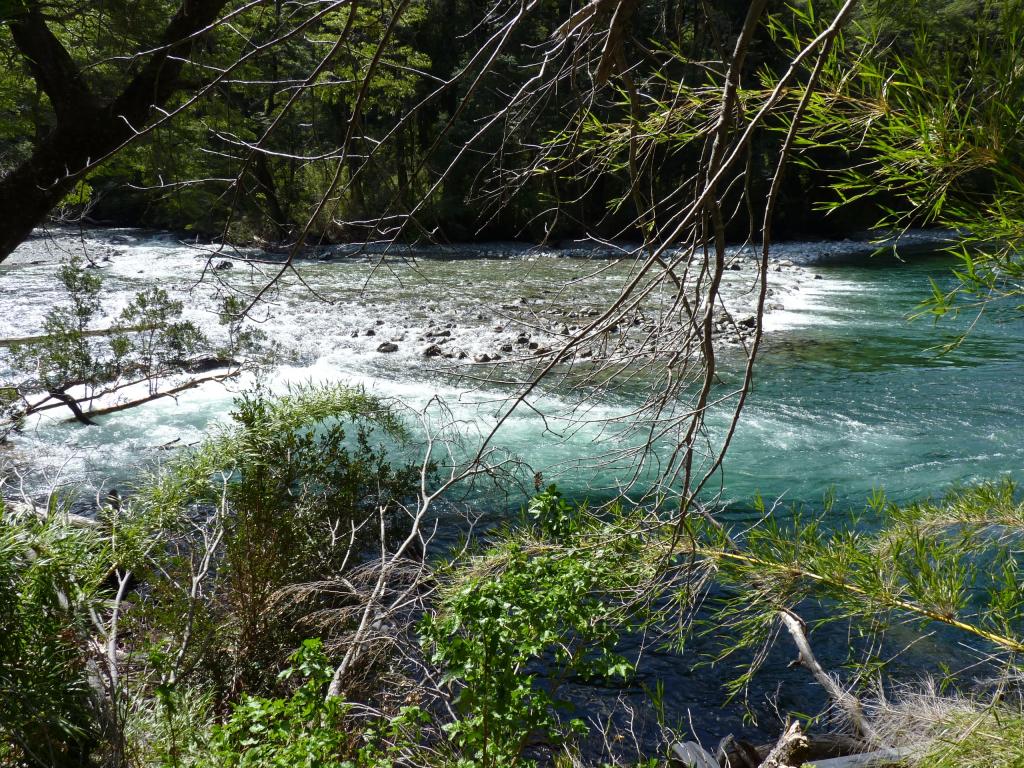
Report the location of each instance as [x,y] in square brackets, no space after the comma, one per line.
[825,751]
[737,753]
[786,752]
[24,508]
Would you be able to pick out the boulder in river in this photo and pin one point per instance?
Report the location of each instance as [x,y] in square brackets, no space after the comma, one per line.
[433,351]
[388,346]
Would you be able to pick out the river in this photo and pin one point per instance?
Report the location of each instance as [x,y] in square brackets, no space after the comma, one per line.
[849,395]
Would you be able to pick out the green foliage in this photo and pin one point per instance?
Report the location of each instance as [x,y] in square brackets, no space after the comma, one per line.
[304,730]
[553,514]
[298,500]
[925,101]
[242,338]
[161,342]
[11,411]
[50,577]
[951,562]
[64,356]
[282,497]
[307,729]
[528,609]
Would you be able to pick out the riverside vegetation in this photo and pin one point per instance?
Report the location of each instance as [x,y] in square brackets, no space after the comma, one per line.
[163,632]
[271,596]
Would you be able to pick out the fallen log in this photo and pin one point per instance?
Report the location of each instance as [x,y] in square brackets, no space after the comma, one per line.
[826,751]
[30,340]
[24,508]
[190,384]
[736,753]
[876,759]
[785,753]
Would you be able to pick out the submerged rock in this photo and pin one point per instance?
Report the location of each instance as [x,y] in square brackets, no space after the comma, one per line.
[388,346]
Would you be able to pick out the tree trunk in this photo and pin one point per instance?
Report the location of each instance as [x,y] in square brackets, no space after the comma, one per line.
[87,131]
[76,409]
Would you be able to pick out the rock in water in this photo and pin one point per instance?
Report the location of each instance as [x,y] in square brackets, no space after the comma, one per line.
[388,346]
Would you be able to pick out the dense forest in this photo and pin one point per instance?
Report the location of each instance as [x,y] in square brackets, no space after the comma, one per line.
[395,110]
[494,383]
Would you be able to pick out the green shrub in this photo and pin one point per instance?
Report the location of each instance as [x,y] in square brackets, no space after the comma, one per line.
[297,499]
[307,729]
[513,621]
[50,579]
[304,730]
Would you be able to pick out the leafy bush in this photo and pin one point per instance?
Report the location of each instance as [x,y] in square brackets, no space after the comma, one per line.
[307,729]
[517,618]
[297,500]
[50,577]
[304,730]
[553,514]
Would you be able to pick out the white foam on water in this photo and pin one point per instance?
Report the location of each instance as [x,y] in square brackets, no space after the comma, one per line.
[401,301]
